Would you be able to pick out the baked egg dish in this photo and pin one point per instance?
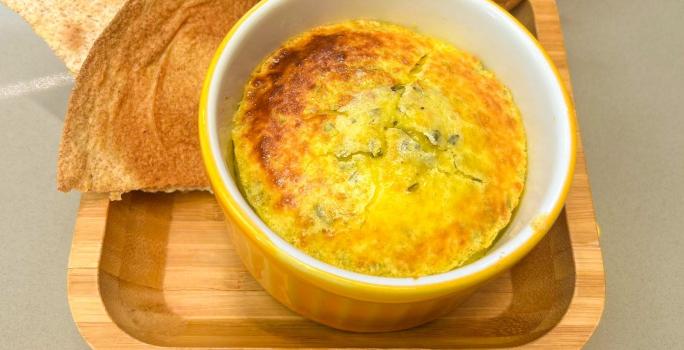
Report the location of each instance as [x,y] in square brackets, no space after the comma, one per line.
[379,150]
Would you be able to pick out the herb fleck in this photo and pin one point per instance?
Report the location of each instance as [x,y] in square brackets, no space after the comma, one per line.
[453,139]
[352,178]
[435,135]
[320,213]
[375,148]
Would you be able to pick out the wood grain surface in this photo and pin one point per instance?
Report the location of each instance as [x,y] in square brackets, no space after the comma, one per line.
[159,270]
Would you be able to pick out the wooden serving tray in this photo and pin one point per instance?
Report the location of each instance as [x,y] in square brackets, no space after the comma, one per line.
[160,270]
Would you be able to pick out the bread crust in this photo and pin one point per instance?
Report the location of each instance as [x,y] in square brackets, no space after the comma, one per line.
[131,122]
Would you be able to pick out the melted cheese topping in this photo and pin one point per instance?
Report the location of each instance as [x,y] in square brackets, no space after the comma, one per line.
[379,150]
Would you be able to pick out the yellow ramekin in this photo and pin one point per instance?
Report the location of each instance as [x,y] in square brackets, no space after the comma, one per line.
[348,300]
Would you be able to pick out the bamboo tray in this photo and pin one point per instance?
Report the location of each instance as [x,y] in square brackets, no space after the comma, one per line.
[160,270]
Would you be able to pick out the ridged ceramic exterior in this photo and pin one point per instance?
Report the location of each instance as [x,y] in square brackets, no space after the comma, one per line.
[303,295]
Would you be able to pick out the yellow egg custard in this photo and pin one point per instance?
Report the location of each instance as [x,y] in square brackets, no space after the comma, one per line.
[380,150]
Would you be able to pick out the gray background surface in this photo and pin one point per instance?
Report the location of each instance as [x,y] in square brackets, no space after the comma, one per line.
[627,64]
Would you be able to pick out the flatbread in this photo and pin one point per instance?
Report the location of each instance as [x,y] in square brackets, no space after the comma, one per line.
[131,122]
[69,27]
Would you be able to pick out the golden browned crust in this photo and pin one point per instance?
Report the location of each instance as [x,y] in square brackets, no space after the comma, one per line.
[131,123]
[379,150]
[283,85]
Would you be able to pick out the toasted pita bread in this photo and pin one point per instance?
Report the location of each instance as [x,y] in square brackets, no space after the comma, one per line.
[69,27]
[131,123]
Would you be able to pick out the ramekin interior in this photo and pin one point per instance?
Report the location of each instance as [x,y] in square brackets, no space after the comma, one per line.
[477,26]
